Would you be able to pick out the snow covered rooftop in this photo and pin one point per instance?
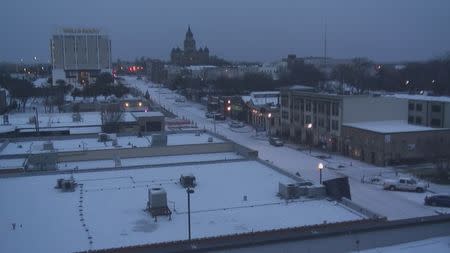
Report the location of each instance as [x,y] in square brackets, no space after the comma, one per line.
[423,97]
[261,98]
[148,114]
[200,67]
[109,208]
[390,126]
[301,87]
[84,144]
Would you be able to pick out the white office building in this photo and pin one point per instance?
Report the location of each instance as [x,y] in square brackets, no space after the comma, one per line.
[79,55]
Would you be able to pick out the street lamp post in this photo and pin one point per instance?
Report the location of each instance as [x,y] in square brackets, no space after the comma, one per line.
[269,116]
[189,191]
[310,137]
[36,123]
[320,168]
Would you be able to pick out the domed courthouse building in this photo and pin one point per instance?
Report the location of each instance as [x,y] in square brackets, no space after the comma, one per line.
[190,55]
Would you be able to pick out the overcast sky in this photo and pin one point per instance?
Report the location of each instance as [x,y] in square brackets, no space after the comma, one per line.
[260,30]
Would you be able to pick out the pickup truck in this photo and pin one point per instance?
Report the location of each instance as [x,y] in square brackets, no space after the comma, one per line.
[404,184]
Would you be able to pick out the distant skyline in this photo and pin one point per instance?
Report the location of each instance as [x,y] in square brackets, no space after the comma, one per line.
[252,30]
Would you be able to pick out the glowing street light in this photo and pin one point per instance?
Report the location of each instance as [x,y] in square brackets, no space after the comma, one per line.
[269,115]
[229,108]
[126,104]
[140,104]
[309,126]
[320,168]
[407,82]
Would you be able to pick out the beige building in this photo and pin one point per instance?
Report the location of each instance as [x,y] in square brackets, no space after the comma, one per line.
[427,110]
[393,142]
[316,118]
[79,55]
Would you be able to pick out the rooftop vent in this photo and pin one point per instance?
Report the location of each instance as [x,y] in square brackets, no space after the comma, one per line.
[188,180]
[66,185]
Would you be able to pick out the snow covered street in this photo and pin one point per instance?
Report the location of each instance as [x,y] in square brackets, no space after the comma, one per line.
[393,205]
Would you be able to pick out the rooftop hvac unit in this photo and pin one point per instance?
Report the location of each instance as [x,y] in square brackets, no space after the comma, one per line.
[157,198]
[48,145]
[210,139]
[76,117]
[5,119]
[288,191]
[317,191]
[188,180]
[117,161]
[157,203]
[159,140]
[32,120]
[66,184]
[102,137]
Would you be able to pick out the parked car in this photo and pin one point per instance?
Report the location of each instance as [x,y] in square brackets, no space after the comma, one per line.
[236,124]
[209,114]
[275,141]
[404,184]
[180,100]
[438,200]
[218,116]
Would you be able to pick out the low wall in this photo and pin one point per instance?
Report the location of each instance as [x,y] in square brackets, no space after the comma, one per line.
[360,209]
[324,238]
[107,154]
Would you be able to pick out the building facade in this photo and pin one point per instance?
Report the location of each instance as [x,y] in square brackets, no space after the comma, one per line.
[316,118]
[79,55]
[189,55]
[427,110]
[394,142]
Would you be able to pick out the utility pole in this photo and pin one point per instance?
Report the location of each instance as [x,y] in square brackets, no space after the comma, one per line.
[325,46]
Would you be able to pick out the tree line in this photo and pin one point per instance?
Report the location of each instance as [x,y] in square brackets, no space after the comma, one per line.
[360,73]
[22,90]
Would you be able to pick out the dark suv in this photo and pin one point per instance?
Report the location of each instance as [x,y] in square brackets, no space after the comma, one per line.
[275,141]
[438,200]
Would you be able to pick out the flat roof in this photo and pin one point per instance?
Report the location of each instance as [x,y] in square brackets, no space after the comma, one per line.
[422,97]
[83,144]
[390,126]
[148,114]
[109,208]
[60,120]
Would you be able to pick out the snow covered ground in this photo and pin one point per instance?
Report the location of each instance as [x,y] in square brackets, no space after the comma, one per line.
[80,144]
[154,160]
[434,245]
[390,204]
[108,209]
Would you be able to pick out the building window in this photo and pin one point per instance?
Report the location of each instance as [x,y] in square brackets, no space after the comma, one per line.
[308,119]
[419,107]
[284,101]
[334,125]
[321,108]
[435,122]
[411,106]
[335,109]
[436,108]
[321,122]
[285,115]
[418,120]
[411,119]
[308,106]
